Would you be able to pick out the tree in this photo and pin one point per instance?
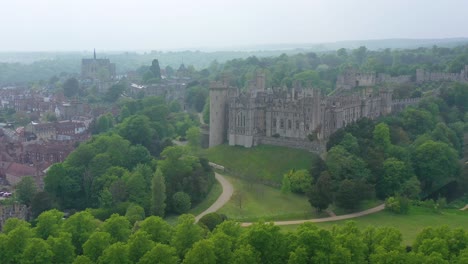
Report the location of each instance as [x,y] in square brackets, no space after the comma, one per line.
[41,202]
[80,225]
[160,254]
[62,248]
[186,234]
[321,193]
[158,229]
[212,220]
[139,244]
[395,174]
[193,137]
[48,223]
[71,87]
[382,136]
[26,189]
[435,162]
[96,244]
[118,227]
[137,130]
[155,69]
[286,185]
[245,254]
[181,202]
[135,213]
[348,195]
[201,252]
[343,165]
[114,92]
[115,253]
[158,201]
[300,180]
[17,240]
[37,251]
[83,260]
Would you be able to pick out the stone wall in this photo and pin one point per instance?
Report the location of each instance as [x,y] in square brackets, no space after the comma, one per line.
[401,104]
[15,210]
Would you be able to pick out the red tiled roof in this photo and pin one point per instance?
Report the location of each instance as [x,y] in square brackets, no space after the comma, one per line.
[17,169]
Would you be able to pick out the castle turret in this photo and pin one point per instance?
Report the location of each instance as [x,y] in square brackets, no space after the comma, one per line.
[386,104]
[420,75]
[218,113]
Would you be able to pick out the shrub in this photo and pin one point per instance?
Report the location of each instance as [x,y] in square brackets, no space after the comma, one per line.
[398,204]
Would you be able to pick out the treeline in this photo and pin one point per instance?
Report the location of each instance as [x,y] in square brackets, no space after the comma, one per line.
[81,238]
[129,165]
[410,155]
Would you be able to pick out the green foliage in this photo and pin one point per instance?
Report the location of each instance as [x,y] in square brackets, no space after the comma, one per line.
[398,204]
[158,200]
[212,220]
[435,162]
[229,243]
[135,213]
[201,252]
[114,92]
[185,234]
[160,254]
[96,244]
[159,230]
[71,87]
[181,202]
[286,184]
[26,190]
[300,181]
[193,137]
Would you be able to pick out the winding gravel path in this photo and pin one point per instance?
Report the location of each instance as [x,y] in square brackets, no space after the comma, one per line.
[328,219]
[225,196]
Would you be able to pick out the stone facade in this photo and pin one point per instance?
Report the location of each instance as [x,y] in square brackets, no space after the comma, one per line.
[291,117]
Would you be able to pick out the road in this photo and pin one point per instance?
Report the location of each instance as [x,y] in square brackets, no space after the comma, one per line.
[225,196]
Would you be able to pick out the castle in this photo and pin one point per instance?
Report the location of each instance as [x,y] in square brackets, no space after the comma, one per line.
[299,117]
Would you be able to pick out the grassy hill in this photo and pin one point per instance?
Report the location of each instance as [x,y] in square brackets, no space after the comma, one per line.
[263,163]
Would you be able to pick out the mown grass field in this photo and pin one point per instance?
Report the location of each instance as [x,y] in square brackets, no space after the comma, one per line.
[263,163]
[409,225]
[253,202]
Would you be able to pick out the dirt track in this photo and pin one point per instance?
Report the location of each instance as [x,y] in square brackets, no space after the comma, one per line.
[222,199]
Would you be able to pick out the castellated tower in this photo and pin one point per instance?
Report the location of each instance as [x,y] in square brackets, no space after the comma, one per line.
[386,104]
[218,113]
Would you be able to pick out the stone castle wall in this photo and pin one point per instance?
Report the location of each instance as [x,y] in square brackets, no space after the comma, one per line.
[15,210]
[400,104]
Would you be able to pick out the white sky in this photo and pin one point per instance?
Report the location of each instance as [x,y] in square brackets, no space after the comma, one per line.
[36,25]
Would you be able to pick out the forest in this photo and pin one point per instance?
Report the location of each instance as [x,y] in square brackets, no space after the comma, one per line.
[81,238]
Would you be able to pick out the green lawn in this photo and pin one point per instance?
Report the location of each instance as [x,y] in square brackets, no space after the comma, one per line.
[252,202]
[265,163]
[409,225]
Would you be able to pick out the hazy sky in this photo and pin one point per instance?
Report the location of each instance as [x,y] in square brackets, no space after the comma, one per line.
[34,25]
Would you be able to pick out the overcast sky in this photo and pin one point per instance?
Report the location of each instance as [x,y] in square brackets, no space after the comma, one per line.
[37,25]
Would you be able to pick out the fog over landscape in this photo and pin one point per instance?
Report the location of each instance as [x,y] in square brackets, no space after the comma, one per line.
[53,25]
